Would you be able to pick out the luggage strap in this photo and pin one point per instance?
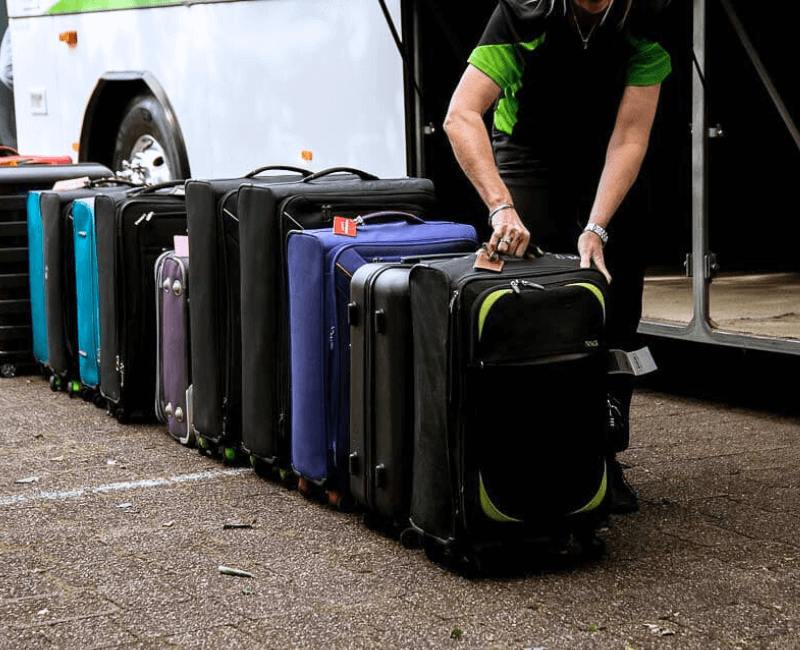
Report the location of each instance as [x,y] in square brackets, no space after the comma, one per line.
[636,363]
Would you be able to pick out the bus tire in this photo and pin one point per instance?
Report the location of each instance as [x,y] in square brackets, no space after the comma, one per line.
[146,141]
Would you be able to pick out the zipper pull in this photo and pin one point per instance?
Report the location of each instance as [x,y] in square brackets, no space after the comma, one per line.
[517,285]
[453,299]
[332,336]
[145,217]
[120,368]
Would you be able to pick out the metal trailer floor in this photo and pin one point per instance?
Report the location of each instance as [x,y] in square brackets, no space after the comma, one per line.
[763,304]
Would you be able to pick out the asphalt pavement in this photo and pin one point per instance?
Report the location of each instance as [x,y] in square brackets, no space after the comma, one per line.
[113,536]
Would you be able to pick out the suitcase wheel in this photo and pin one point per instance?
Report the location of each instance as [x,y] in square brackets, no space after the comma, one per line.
[73,388]
[591,546]
[229,455]
[55,383]
[202,446]
[303,486]
[411,539]
[262,469]
[289,479]
[120,414]
[342,502]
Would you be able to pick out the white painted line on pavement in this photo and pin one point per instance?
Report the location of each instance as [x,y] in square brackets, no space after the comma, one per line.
[63,495]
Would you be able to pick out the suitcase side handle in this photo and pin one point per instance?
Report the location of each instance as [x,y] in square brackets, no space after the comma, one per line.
[364,176]
[388,216]
[305,173]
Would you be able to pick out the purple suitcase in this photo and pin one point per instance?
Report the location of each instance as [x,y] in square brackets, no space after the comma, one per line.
[174,376]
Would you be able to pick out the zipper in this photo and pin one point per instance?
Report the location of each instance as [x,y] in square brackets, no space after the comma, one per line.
[518,285]
[120,368]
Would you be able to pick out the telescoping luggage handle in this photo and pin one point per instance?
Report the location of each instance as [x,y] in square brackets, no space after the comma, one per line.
[305,173]
[364,176]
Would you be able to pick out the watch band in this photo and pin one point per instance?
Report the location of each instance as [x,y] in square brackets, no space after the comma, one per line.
[598,230]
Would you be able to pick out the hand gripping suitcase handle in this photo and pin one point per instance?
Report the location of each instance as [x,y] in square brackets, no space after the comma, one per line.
[388,216]
[364,176]
[286,168]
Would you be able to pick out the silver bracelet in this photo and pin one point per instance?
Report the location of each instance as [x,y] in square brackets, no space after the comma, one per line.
[598,230]
[499,208]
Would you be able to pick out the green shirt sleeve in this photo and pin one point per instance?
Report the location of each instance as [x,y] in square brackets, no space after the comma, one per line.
[649,65]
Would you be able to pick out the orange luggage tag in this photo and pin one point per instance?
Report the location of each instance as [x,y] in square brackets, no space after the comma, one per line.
[346,227]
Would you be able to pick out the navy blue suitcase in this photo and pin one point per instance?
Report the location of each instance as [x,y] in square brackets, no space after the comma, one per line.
[320,265]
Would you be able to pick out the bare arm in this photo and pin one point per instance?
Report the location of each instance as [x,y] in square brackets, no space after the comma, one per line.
[465,128]
[626,151]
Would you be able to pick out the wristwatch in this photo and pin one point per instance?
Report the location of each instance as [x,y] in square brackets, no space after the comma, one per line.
[597,230]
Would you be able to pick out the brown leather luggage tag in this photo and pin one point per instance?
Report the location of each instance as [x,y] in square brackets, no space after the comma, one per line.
[486,262]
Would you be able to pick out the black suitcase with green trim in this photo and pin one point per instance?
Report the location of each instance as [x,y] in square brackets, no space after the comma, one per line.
[510,368]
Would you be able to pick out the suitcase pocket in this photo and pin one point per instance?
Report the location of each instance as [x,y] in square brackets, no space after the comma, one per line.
[538,438]
[523,321]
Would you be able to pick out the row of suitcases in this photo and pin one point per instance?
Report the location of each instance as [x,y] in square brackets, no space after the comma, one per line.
[333,328]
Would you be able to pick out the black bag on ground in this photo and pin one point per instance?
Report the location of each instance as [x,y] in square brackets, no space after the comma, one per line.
[215,317]
[268,214]
[133,229]
[510,377]
[16,310]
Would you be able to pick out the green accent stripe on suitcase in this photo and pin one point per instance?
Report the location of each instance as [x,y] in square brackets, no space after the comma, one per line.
[489,509]
[598,498]
[596,291]
[486,307]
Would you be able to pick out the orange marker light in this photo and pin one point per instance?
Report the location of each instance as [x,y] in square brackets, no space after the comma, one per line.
[308,156]
[70,38]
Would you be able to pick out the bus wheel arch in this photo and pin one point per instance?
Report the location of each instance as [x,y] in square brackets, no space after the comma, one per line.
[129,114]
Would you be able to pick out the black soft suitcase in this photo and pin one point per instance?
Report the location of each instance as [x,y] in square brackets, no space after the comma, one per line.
[510,392]
[16,352]
[59,281]
[213,222]
[268,214]
[133,229]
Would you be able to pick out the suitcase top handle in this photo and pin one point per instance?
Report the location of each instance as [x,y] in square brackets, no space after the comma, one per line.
[149,189]
[364,176]
[106,181]
[287,168]
[387,216]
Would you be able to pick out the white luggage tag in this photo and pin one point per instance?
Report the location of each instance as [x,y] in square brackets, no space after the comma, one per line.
[636,363]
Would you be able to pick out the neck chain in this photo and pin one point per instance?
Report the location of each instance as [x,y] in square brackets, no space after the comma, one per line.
[585,39]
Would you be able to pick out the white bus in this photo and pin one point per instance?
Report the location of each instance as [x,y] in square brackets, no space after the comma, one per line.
[216,88]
